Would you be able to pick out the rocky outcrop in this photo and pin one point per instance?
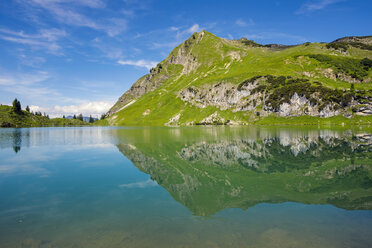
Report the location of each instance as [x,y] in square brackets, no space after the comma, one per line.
[223,95]
[249,96]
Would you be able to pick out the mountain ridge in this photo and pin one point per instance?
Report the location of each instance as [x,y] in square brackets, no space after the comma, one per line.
[212,80]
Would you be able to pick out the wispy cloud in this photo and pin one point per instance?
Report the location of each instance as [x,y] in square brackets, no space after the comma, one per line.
[161,45]
[194,28]
[143,184]
[139,63]
[275,36]
[243,23]
[65,12]
[316,5]
[44,39]
[23,79]
[182,32]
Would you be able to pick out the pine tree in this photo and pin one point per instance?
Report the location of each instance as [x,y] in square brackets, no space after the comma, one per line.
[64,117]
[80,117]
[28,108]
[17,106]
[74,117]
[103,116]
[91,119]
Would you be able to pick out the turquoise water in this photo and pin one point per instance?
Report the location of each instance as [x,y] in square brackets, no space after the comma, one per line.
[185,187]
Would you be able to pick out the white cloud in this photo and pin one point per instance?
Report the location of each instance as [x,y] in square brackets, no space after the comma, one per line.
[143,184]
[88,108]
[161,45]
[276,35]
[194,28]
[190,30]
[174,29]
[44,39]
[243,23]
[128,13]
[314,6]
[87,3]
[140,63]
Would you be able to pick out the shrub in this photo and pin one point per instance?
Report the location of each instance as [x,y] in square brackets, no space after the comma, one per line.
[353,67]
[338,46]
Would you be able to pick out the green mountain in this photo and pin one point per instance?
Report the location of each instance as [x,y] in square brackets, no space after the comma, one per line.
[212,80]
[8,118]
[213,168]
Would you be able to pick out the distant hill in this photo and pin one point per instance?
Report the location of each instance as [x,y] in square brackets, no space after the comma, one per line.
[8,118]
[211,80]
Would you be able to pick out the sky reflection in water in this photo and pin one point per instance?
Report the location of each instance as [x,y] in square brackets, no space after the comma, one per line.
[185,187]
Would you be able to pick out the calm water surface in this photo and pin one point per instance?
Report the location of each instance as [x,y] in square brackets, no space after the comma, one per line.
[185,187]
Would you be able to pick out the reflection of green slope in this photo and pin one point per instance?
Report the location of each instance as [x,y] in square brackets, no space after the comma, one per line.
[210,169]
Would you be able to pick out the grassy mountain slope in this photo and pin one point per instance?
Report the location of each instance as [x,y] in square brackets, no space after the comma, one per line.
[211,80]
[25,119]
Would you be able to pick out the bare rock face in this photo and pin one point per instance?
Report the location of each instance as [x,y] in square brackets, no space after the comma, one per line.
[243,98]
[213,119]
[364,110]
[222,95]
[295,107]
[327,112]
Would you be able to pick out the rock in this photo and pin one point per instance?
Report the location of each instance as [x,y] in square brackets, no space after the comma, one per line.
[327,112]
[213,119]
[174,120]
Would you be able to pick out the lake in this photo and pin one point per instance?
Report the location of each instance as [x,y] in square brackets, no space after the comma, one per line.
[185,187]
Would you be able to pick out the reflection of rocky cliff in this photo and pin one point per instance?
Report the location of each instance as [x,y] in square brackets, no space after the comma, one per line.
[211,170]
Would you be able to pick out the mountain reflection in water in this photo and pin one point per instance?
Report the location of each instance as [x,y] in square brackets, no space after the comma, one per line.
[211,169]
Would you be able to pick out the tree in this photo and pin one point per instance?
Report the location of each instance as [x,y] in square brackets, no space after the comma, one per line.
[103,116]
[28,108]
[74,117]
[17,106]
[91,119]
[64,117]
[80,117]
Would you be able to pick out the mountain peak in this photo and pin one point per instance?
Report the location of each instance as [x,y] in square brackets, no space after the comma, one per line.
[208,79]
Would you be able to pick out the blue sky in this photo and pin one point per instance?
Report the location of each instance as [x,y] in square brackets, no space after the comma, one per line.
[79,56]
